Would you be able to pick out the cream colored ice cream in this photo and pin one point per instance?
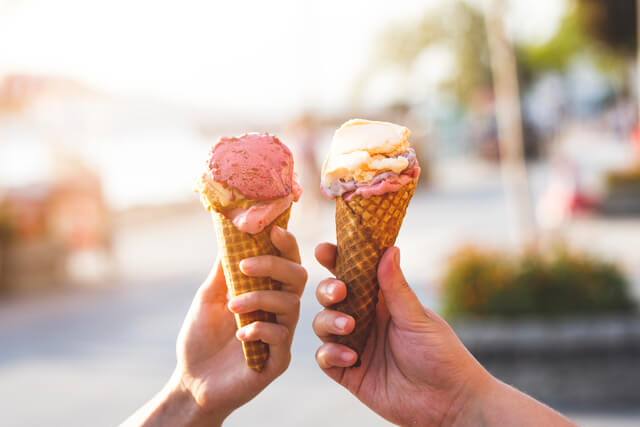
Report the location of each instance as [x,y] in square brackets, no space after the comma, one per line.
[368,158]
[361,149]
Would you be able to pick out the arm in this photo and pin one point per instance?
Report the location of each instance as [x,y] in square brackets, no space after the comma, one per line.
[211,379]
[415,370]
[173,406]
[503,405]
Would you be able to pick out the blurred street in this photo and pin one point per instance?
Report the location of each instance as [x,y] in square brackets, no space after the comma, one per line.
[524,231]
[91,357]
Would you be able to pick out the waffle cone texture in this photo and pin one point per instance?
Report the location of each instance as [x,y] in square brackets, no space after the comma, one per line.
[365,228]
[234,246]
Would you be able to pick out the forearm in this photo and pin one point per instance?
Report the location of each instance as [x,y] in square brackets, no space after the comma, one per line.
[172,406]
[502,405]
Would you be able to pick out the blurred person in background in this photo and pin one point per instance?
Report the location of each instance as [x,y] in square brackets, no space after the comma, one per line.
[415,370]
[305,134]
[211,379]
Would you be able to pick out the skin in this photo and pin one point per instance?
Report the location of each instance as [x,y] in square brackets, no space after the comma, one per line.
[415,371]
[211,379]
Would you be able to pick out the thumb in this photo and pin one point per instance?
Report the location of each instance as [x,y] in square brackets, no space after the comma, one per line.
[401,301]
[214,287]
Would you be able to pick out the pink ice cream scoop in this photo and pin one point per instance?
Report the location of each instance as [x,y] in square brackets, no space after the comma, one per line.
[255,218]
[257,165]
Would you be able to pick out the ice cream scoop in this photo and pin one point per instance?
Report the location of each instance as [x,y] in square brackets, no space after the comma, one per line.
[368,158]
[250,180]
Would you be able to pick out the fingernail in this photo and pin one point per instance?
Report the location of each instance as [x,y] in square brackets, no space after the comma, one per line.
[346,356]
[396,256]
[331,289]
[341,322]
[245,265]
[234,304]
[278,230]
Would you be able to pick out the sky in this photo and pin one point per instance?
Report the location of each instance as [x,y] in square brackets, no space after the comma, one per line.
[243,57]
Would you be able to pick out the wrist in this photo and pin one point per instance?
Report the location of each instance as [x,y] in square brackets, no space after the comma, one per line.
[179,401]
[468,405]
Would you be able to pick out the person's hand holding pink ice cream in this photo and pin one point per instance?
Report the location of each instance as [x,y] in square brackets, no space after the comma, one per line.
[249,185]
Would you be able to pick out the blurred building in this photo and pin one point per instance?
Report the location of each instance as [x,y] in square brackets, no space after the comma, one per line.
[51,202]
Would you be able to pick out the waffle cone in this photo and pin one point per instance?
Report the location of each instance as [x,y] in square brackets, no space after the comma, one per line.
[365,228]
[234,246]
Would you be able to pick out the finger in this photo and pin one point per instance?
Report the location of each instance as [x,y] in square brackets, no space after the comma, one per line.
[326,256]
[331,355]
[270,333]
[286,243]
[214,287]
[401,301]
[285,305]
[293,276]
[330,322]
[330,291]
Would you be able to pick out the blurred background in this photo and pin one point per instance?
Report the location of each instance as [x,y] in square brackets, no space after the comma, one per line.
[524,232]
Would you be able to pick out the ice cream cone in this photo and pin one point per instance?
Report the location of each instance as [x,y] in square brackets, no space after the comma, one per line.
[234,246]
[365,228]
[249,185]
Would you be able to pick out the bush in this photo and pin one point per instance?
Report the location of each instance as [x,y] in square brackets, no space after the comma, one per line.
[623,179]
[493,284]
[5,226]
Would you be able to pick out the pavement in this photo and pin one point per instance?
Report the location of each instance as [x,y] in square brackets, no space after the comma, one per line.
[90,357]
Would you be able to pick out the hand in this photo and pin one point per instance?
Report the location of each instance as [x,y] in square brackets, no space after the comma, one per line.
[415,370]
[211,378]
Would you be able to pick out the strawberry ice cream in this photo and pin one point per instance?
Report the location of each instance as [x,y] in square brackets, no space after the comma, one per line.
[250,180]
[256,217]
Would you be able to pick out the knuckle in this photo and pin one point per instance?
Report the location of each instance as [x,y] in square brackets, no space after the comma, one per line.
[283,333]
[255,299]
[268,263]
[288,240]
[251,330]
[317,323]
[287,360]
[257,327]
[403,284]
[304,276]
[296,303]
[248,299]
[321,357]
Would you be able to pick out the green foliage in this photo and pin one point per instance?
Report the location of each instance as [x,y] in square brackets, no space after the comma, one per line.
[456,25]
[5,226]
[493,284]
[575,36]
[557,52]
[597,29]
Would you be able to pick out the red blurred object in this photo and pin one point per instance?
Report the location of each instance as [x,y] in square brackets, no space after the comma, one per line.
[578,202]
[71,211]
